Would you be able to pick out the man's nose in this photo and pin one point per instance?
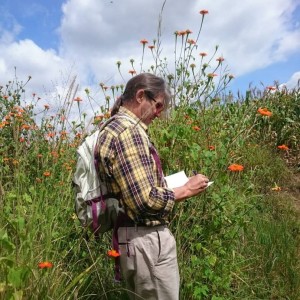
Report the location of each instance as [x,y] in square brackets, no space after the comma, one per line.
[157,114]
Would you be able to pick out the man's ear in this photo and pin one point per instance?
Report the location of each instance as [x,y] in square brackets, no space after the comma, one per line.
[139,95]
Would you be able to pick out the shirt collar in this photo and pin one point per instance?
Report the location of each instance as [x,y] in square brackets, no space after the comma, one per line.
[126,111]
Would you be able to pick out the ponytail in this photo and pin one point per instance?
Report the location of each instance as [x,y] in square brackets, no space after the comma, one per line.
[118,103]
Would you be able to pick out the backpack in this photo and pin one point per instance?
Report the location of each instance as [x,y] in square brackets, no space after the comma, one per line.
[94,207]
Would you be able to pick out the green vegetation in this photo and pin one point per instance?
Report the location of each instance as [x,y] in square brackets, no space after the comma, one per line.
[238,240]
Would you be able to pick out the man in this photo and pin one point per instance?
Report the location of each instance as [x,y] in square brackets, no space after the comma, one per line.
[132,168]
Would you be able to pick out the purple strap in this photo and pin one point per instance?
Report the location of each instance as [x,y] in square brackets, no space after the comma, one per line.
[115,242]
[95,217]
[157,161]
[121,219]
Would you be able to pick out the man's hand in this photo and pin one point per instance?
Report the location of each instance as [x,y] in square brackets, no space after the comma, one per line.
[193,187]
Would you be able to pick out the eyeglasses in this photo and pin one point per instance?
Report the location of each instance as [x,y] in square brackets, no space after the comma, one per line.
[158,105]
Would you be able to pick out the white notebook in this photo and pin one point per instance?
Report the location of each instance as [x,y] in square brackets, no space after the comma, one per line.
[179,179]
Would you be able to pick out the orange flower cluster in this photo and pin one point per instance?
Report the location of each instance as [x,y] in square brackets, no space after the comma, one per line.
[46,173]
[235,168]
[45,265]
[182,32]
[113,253]
[283,147]
[264,112]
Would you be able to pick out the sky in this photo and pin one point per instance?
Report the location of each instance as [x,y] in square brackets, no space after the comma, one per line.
[55,41]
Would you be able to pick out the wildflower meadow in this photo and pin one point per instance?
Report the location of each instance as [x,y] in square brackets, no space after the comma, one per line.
[237,240]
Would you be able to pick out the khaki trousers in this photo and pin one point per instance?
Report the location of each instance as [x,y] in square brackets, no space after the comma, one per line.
[149,262]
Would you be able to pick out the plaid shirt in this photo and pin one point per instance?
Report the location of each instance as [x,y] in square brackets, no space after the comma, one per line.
[130,169]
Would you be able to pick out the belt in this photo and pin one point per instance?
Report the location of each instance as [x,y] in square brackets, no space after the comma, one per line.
[131,224]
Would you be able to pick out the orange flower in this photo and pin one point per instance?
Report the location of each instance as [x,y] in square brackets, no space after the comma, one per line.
[191,41]
[77,99]
[202,54]
[144,42]
[113,253]
[276,188]
[271,88]
[46,173]
[54,153]
[283,147]
[196,128]
[25,127]
[132,72]
[107,115]
[63,133]
[45,265]
[211,75]
[235,168]
[151,47]
[264,112]
[46,106]
[22,140]
[15,162]
[220,59]
[51,134]
[188,31]
[212,148]
[181,33]
[203,12]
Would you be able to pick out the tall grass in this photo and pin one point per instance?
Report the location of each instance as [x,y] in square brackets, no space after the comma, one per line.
[238,240]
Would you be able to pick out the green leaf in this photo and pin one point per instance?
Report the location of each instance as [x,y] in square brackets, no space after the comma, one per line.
[27,198]
[212,259]
[5,243]
[17,276]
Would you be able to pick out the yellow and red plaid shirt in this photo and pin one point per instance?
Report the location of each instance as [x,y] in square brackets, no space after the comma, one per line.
[130,169]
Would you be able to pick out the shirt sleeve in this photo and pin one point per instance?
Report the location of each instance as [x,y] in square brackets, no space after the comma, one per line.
[137,175]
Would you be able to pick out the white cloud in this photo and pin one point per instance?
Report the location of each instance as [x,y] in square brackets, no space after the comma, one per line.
[293,82]
[30,60]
